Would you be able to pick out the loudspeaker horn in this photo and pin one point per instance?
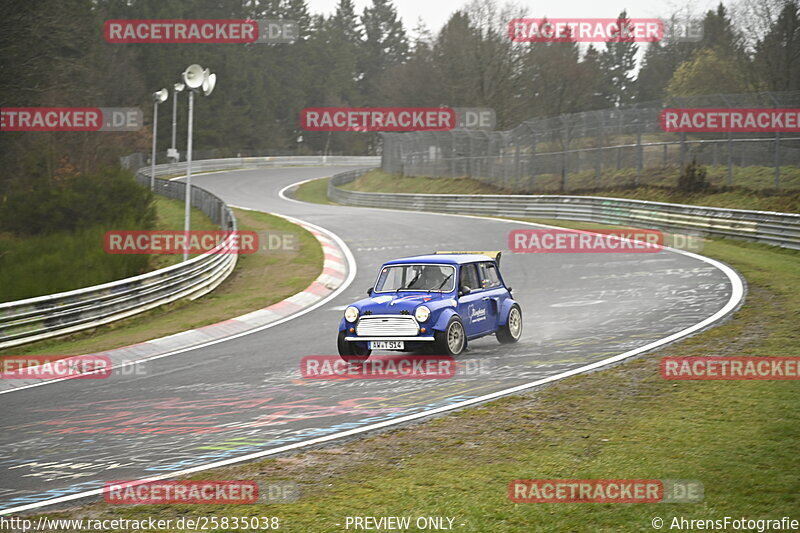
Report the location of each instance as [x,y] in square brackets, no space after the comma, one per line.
[160,96]
[193,77]
[209,83]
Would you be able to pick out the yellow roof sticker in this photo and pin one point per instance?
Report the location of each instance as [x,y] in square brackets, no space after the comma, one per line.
[494,255]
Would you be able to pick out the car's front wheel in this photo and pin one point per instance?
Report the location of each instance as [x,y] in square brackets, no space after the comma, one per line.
[352,351]
[512,330]
[452,340]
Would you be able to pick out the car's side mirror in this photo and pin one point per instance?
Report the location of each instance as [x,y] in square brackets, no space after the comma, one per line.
[509,289]
[369,291]
[464,290]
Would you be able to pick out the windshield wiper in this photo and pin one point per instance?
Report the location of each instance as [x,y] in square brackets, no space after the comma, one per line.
[439,288]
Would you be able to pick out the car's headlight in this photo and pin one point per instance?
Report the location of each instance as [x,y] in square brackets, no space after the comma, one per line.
[351,314]
[422,313]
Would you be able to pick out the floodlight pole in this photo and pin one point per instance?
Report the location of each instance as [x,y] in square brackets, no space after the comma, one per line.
[153,155]
[187,214]
[174,117]
[194,78]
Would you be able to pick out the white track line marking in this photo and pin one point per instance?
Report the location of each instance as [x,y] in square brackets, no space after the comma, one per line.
[737,294]
[282,192]
[351,266]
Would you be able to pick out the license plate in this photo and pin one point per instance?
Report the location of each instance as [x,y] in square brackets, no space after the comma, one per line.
[386,345]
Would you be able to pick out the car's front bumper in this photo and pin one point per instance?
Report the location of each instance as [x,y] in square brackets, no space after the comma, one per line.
[406,339]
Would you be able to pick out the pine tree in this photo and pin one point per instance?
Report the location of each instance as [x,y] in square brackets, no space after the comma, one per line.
[555,81]
[777,55]
[344,24]
[720,34]
[297,11]
[618,62]
[595,96]
[385,46]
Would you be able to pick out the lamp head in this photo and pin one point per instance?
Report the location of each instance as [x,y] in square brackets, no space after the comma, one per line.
[209,83]
[193,76]
[160,96]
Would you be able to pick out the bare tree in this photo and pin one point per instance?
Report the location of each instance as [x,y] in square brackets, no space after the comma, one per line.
[755,18]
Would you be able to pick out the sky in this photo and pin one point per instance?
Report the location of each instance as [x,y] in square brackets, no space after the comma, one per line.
[436,12]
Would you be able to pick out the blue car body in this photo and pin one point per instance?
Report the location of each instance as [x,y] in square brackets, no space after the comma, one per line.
[479,298]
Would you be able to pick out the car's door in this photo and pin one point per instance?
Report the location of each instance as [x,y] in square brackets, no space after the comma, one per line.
[473,302]
[493,290]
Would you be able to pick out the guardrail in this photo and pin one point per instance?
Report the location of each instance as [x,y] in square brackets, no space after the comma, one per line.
[34,319]
[208,165]
[42,317]
[780,229]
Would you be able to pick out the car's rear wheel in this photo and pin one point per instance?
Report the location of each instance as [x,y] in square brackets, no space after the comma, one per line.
[452,340]
[512,330]
[352,351]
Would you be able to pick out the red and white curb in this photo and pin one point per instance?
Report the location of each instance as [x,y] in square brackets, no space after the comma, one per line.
[338,271]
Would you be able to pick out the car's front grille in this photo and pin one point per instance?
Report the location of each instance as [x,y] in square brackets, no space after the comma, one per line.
[387,326]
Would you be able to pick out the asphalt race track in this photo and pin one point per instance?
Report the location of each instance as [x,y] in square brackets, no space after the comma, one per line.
[246,395]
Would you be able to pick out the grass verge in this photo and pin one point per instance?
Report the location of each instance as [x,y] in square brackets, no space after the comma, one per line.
[737,198]
[752,178]
[64,261]
[314,191]
[739,438]
[259,280]
[170,217]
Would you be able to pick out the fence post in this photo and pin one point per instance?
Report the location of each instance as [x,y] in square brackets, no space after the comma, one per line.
[683,150]
[517,168]
[533,160]
[470,156]
[600,153]
[639,154]
[452,154]
[490,156]
[777,160]
[619,133]
[564,147]
[504,148]
[730,159]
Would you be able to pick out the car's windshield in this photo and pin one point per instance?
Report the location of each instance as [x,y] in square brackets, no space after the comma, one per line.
[417,277]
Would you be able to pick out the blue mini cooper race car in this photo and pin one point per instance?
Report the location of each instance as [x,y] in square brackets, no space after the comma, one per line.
[432,303]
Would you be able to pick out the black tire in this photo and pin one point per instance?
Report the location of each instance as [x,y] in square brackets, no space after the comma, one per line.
[509,333]
[447,342]
[352,351]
